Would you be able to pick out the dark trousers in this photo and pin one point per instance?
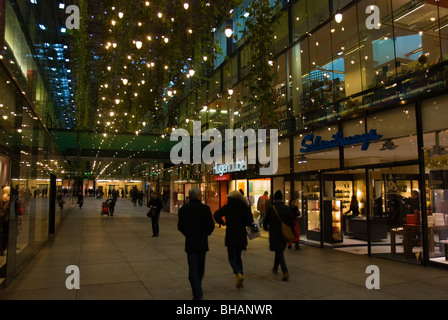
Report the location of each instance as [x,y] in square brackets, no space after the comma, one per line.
[155,223]
[280,260]
[234,255]
[196,269]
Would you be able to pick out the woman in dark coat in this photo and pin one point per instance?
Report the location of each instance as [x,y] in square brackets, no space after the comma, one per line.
[237,216]
[273,224]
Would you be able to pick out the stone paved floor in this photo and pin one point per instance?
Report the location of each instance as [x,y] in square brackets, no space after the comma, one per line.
[119,260]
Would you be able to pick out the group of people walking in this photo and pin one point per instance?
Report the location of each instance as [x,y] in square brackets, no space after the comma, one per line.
[197,223]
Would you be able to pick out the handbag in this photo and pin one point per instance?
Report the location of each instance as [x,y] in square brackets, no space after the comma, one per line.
[287,233]
[151,213]
[253,231]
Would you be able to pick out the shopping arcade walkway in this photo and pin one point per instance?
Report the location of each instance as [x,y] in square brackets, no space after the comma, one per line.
[118,259]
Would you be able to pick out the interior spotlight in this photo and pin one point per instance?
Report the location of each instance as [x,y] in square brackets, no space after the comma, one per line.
[338,16]
[302,159]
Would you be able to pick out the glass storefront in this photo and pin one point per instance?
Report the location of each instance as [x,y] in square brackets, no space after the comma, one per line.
[435,139]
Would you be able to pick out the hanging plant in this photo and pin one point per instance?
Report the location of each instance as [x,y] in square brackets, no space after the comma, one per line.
[81,54]
[260,26]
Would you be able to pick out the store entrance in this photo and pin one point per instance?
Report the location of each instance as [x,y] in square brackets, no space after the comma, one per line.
[395,228]
[344,209]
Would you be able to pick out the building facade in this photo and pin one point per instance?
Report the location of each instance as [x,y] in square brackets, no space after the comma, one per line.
[31,166]
[362,106]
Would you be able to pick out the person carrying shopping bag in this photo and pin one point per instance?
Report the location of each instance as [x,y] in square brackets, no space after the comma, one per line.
[275,215]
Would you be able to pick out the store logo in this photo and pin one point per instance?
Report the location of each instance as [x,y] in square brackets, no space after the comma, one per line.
[212,153]
[311,143]
[73,21]
[230,167]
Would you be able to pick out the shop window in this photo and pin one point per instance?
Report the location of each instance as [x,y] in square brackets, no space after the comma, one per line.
[308,14]
[317,160]
[317,86]
[230,73]
[281,33]
[344,69]
[398,141]
[283,157]
[435,140]
[394,204]
[299,19]
[443,23]
[300,85]
[416,35]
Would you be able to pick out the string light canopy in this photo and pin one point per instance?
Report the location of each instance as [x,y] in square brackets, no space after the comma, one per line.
[150,50]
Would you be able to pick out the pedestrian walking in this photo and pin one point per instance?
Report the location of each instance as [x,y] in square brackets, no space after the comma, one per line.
[111,203]
[272,223]
[262,206]
[296,214]
[237,216]
[140,198]
[196,224]
[156,205]
[80,200]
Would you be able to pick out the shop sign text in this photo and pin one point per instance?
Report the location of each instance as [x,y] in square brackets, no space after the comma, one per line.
[213,153]
[312,143]
[230,167]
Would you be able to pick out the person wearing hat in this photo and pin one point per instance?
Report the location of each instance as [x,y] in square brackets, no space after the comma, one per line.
[273,225]
[238,216]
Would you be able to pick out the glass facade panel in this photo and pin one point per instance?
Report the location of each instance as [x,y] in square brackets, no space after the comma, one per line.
[435,138]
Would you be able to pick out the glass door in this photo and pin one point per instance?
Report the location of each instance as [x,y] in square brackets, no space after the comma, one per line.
[394,213]
[311,207]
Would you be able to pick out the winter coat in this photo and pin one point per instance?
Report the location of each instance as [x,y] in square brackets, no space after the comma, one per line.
[273,224]
[237,216]
[157,203]
[196,224]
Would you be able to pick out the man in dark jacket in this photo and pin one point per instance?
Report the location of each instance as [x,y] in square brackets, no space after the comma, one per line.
[196,224]
[237,216]
[273,224]
[155,204]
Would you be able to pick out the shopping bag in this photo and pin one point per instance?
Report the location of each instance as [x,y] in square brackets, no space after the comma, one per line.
[253,231]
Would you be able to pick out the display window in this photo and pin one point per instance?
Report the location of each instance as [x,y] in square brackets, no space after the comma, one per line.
[256,189]
[5,194]
[435,137]
[395,213]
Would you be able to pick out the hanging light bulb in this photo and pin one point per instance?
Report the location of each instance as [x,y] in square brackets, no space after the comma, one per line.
[120,15]
[138,44]
[186,5]
[191,72]
[338,16]
[228,31]
[125,81]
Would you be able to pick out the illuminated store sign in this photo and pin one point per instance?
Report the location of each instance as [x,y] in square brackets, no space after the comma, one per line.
[312,143]
[230,167]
